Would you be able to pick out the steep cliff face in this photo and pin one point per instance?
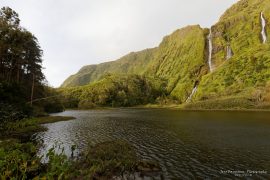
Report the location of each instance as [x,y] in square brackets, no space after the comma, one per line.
[180,59]
[133,63]
[83,77]
[239,28]
[240,59]
[249,67]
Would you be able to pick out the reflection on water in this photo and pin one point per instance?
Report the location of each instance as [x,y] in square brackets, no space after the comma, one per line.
[186,144]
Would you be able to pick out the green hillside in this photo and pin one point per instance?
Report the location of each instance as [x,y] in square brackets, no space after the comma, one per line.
[181,60]
[133,63]
[115,90]
[240,79]
[247,73]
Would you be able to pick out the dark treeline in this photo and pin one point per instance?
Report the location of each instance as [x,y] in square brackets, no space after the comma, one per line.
[114,90]
[20,53]
[21,77]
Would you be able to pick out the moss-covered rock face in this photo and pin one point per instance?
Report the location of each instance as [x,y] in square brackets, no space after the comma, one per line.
[240,59]
[239,28]
[181,60]
[133,63]
[249,68]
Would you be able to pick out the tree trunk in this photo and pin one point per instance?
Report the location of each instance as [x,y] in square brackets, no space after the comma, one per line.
[32,91]
[18,73]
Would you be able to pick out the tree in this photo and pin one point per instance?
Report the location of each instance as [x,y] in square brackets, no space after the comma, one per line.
[20,54]
[21,77]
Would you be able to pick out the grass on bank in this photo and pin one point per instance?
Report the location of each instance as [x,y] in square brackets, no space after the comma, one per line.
[232,103]
[102,161]
[26,127]
[227,103]
[19,160]
[110,159]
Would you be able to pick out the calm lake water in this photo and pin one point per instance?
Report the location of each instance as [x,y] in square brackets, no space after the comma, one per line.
[186,144]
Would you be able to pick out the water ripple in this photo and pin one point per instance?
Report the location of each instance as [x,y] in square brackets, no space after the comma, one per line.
[187,145]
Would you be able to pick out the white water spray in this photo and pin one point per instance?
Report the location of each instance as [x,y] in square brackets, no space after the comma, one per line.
[210,48]
[229,53]
[192,93]
[263,22]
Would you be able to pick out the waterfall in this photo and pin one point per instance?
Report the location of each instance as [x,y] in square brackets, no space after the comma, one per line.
[210,47]
[229,52]
[263,22]
[192,93]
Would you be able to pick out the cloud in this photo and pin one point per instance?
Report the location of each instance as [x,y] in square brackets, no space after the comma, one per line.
[75,33]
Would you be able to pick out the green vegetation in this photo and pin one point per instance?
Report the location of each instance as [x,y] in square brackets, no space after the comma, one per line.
[102,161]
[20,67]
[108,159]
[246,75]
[240,28]
[20,60]
[236,103]
[181,60]
[176,65]
[157,77]
[26,127]
[164,75]
[133,63]
[19,160]
[252,74]
[115,91]
[21,79]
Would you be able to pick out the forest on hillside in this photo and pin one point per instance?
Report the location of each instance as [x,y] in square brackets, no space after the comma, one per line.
[200,105]
[22,81]
[225,66]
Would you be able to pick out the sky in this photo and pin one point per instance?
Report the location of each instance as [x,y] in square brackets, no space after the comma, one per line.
[74,33]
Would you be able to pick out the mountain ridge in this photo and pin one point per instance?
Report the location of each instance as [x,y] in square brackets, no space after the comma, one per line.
[241,61]
[91,73]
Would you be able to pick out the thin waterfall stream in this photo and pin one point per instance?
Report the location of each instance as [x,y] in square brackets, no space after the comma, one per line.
[210,48]
[263,22]
[229,52]
[192,93]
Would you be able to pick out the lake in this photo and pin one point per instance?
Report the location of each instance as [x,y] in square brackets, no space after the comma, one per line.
[186,144]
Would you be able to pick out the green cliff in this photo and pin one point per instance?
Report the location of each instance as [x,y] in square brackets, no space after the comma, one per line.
[133,63]
[246,75]
[240,61]
[180,59]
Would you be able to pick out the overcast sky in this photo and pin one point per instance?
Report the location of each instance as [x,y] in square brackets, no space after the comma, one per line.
[74,33]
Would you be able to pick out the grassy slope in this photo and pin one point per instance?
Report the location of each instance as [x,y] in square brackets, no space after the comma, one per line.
[178,53]
[181,60]
[133,63]
[247,73]
[115,90]
[239,27]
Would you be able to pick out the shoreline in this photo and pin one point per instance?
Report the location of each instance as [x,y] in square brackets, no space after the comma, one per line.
[22,130]
[177,108]
[111,158]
